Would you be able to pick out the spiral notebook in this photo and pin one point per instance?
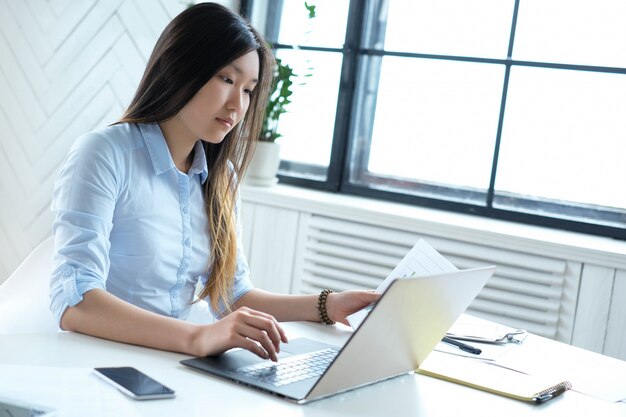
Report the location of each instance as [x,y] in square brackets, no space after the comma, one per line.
[493,378]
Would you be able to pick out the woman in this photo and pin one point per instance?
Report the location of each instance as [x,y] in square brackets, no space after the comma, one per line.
[148,206]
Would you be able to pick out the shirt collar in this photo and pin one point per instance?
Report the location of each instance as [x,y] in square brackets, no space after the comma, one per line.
[199,165]
[160,154]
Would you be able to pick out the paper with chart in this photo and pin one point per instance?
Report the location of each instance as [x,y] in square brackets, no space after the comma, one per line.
[422,260]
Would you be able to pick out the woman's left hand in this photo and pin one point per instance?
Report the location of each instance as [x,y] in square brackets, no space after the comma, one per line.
[342,304]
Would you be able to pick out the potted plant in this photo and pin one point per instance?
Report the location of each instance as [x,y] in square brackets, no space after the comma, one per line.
[264,164]
[266,160]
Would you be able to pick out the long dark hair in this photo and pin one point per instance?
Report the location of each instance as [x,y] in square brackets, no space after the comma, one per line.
[193,47]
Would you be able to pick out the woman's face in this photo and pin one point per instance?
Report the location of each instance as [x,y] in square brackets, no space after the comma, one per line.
[222,102]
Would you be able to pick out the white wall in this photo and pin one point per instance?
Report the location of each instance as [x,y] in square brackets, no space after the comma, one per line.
[66,67]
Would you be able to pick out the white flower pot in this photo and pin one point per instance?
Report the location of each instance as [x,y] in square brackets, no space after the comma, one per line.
[264,165]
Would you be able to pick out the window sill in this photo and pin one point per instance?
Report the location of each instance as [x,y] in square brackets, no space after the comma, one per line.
[478,230]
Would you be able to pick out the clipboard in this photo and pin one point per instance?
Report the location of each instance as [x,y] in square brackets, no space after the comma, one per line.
[492,378]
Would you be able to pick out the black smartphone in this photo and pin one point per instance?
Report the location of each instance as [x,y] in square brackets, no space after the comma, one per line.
[134,383]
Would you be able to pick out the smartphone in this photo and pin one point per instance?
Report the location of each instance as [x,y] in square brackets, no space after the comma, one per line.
[134,383]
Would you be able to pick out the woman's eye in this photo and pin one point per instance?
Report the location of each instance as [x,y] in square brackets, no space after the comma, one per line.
[227,80]
[248,91]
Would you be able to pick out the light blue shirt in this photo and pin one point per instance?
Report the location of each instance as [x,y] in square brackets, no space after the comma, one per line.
[128,221]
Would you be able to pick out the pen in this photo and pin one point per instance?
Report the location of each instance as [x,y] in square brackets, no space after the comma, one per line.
[463,346]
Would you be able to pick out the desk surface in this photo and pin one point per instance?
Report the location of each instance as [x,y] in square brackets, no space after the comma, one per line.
[202,395]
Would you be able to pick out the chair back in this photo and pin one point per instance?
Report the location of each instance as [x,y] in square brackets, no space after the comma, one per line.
[24,296]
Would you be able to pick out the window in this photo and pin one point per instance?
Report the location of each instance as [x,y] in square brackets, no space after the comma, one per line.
[510,109]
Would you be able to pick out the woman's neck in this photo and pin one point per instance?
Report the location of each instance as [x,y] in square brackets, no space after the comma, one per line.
[180,143]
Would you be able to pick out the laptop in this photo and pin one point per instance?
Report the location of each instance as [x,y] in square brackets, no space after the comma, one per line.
[15,408]
[407,322]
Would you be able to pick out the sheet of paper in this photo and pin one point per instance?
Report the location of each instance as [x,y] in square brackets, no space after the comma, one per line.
[70,391]
[487,376]
[490,351]
[422,260]
[474,329]
[590,373]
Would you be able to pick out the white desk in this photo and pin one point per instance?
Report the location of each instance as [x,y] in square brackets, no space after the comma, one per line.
[202,395]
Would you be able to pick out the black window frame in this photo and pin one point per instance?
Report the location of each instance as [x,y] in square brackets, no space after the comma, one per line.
[337,177]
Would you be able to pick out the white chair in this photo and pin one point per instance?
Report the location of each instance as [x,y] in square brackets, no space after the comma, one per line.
[24,296]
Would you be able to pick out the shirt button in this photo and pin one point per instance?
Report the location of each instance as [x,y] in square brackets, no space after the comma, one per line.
[67,271]
[186,210]
[175,294]
[187,242]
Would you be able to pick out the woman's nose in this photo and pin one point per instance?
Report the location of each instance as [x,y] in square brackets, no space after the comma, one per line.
[236,102]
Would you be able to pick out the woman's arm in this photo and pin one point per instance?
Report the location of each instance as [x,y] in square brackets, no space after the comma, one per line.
[103,315]
[304,307]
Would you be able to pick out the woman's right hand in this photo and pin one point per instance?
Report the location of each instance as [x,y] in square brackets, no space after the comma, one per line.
[245,328]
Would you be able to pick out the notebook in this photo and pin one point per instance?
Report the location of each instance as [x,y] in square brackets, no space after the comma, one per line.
[404,326]
[493,378]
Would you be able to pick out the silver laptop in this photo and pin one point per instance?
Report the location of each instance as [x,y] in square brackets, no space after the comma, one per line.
[404,326]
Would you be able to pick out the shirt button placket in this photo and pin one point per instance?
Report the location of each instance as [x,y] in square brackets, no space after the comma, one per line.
[184,197]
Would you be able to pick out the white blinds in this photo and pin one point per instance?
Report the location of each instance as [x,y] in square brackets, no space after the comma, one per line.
[527,290]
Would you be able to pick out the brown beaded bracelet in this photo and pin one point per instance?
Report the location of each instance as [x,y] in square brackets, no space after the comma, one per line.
[321,307]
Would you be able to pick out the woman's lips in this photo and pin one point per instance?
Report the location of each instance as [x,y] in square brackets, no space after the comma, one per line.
[226,122]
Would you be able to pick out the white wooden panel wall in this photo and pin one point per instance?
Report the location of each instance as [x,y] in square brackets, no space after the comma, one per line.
[615,342]
[270,244]
[601,311]
[593,311]
[66,67]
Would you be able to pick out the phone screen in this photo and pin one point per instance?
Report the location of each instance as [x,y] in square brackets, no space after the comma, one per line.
[135,383]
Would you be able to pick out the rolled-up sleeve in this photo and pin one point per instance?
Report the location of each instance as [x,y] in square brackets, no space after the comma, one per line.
[83,204]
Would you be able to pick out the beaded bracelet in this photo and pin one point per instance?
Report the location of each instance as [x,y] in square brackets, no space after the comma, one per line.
[321,306]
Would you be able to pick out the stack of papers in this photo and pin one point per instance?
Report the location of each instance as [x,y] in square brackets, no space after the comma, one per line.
[421,261]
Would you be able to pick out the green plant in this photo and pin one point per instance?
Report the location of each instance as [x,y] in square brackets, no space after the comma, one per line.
[279,98]
[280,93]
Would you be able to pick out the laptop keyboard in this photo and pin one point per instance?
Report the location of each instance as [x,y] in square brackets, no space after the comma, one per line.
[292,369]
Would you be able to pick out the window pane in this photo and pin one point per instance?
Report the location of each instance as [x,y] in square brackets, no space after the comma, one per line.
[307,126]
[572,31]
[326,29]
[434,122]
[564,137]
[479,28]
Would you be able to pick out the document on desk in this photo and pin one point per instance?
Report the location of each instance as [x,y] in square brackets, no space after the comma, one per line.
[493,378]
[422,260]
[590,373]
[69,391]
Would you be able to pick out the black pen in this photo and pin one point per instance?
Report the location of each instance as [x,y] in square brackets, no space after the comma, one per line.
[461,345]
